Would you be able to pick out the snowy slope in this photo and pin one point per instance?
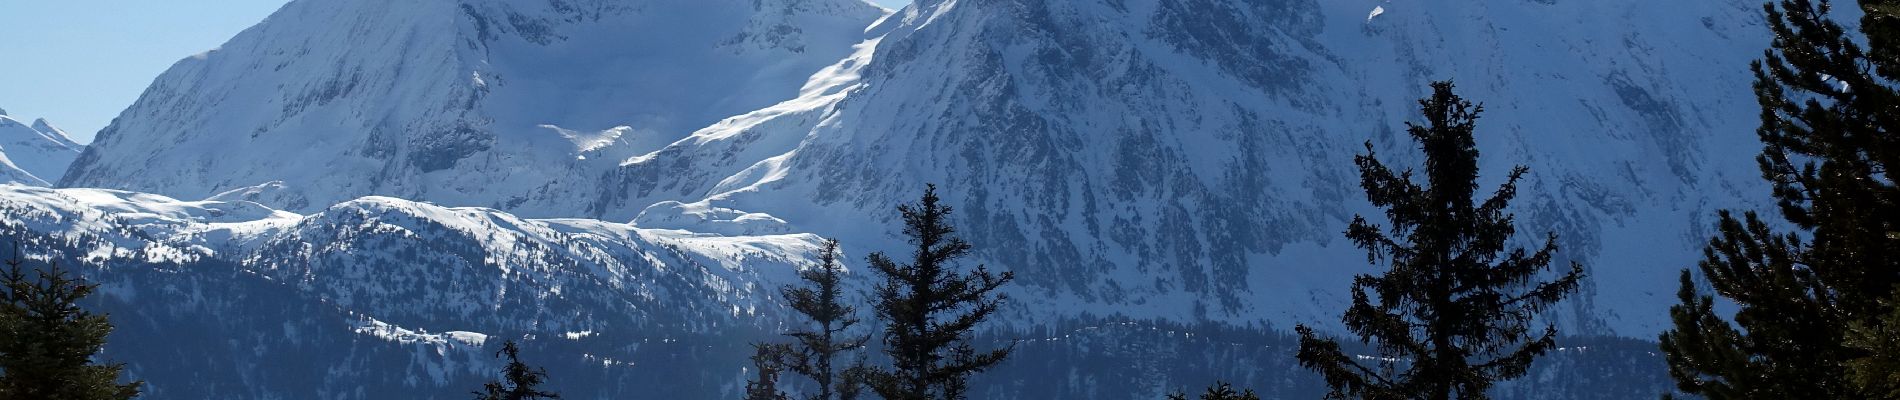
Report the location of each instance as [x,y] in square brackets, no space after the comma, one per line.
[1191,160]
[466,102]
[34,153]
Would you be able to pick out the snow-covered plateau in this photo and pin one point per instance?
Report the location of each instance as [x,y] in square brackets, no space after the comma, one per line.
[388,185]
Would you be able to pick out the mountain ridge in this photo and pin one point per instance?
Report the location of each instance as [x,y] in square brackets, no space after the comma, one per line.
[35,153]
[465,102]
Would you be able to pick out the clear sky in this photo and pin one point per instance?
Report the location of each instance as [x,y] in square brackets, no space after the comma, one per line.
[78,63]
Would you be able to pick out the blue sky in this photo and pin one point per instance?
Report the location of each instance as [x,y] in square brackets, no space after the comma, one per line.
[78,63]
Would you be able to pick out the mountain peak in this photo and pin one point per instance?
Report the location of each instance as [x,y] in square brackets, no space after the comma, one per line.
[366,97]
[40,124]
[53,133]
[39,152]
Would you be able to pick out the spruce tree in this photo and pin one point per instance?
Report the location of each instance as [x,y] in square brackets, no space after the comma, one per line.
[1220,391]
[767,361]
[47,342]
[814,352]
[1829,150]
[1452,315]
[519,381]
[930,309]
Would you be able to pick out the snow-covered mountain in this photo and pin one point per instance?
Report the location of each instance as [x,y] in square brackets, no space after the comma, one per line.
[472,102]
[1191,160]
[1124,157]
[34,153]
[1186,162]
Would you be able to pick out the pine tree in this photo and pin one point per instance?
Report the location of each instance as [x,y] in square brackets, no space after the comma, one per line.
[1827,122]
[767,360]
[47,342]
[519,381]
[1877,374]
[1221,391]
[930,309]
[1793,346]
[1828,115]
[814,353]
[1452,316]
